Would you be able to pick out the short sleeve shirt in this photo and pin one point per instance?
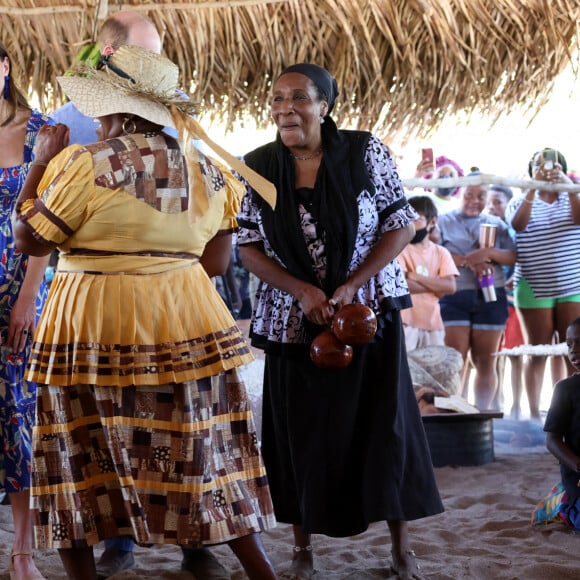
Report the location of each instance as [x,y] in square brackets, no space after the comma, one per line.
[431,260]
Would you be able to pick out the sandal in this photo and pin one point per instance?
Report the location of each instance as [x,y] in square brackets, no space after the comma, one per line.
[401,570]
[12,569]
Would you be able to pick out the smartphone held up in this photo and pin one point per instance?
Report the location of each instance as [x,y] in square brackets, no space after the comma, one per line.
[427,159]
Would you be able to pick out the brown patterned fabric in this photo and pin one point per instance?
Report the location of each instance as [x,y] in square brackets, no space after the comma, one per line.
[143,428]
[119,165]
[167,464]
[127,364]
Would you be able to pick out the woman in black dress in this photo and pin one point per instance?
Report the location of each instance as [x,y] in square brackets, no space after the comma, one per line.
[343,448]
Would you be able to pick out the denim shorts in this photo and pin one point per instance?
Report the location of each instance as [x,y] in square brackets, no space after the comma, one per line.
[524,297]
[468,308]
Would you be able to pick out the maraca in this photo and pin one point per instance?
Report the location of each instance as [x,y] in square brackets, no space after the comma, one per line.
[327,352]
[354,324]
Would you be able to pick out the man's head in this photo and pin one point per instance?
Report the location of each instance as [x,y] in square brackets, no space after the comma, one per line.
[128,27]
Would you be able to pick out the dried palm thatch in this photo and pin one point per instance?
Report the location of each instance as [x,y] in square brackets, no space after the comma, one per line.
[402,65]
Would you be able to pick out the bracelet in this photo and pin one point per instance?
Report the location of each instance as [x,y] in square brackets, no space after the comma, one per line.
[528,201]
[38,163]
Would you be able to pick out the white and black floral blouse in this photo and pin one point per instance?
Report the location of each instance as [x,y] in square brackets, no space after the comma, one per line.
[278,315]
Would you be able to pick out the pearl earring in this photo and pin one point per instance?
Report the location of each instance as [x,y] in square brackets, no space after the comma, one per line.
[321,120]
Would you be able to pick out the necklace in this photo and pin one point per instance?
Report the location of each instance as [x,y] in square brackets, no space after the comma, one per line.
[306,157]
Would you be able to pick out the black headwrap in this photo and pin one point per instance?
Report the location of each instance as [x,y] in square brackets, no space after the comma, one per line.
[324,81]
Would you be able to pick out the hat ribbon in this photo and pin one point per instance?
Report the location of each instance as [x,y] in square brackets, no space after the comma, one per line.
[265,189]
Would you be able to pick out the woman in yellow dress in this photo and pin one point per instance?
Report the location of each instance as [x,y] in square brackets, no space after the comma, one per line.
[144,428]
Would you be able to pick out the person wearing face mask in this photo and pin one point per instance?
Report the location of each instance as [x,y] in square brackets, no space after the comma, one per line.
[444,192]
[430,273]
[444,198]
[474,326]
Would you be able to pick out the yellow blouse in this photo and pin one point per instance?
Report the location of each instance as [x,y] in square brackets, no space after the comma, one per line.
[130,303]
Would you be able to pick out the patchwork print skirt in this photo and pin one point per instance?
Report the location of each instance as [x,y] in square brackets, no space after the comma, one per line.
[167,464]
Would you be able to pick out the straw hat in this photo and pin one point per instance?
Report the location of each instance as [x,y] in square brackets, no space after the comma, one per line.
[131,80]
[143,83]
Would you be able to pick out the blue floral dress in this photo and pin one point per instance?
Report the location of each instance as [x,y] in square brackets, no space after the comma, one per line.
[17,396]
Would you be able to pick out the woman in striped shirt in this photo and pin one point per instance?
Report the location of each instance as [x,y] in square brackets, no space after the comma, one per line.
[547,273]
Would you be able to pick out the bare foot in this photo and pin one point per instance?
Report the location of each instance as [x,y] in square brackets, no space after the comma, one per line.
[405,566]
[302,568]
[22,566]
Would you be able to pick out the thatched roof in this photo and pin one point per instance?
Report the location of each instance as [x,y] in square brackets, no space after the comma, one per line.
[401,65]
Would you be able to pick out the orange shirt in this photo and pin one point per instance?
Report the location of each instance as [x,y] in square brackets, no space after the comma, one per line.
[427,260]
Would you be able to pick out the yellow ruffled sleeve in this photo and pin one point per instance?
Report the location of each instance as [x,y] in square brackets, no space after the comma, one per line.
[64,196]
[219,216]
[234,193]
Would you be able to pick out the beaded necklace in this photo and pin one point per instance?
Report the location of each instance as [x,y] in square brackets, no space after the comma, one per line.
[306,157]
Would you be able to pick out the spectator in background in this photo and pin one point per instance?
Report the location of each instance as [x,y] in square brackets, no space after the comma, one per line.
[445,198]
[547,273]
[562,429]
[430,273]
[242,277]
[474,326]
[234,287]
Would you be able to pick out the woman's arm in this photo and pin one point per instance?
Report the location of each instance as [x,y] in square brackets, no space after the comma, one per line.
[313,300]
[557,175]
[23,313]
[50,140]
[216,255]
[458,259]
[389,247]
[25,240]
[575,207]
[498,255]
[561,451]
[521,217]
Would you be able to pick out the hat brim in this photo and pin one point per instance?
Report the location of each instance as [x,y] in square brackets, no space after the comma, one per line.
[95,98]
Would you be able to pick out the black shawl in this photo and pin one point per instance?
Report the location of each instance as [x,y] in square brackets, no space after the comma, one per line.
[342,176]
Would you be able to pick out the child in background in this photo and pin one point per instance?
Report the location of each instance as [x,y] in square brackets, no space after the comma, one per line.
[430,273]
[563,430]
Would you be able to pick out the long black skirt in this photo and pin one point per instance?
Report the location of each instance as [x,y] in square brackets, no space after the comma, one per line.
[345,448]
